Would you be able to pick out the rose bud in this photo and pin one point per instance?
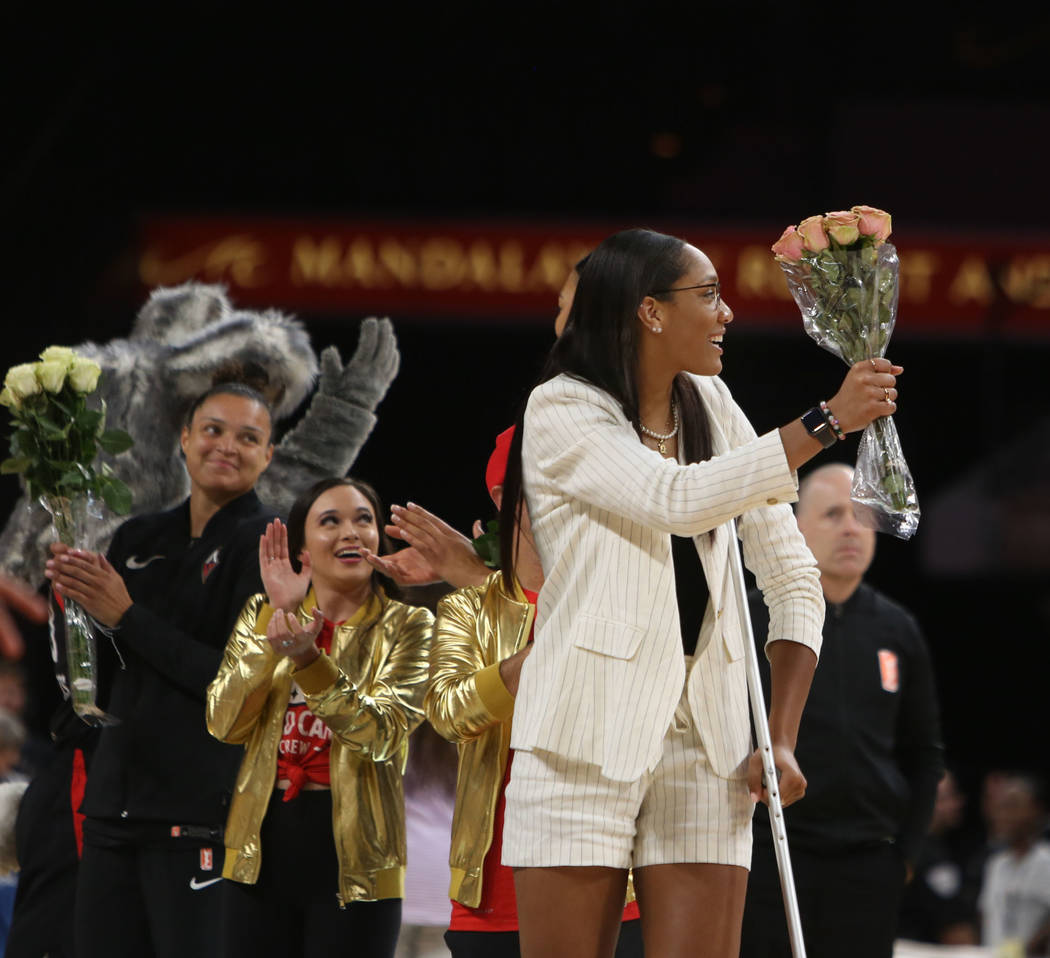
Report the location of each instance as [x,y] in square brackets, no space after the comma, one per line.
[789,247]
[51,374]
[842,226]
[21,381]
[873,222]
[813,236]
[83,377]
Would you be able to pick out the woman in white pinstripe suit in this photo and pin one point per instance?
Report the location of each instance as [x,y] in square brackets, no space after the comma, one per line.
[631,722]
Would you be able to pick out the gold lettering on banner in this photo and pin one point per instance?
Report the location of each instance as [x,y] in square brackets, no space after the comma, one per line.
[482,268]
[972,283]
[511,267]
[239,259]
[917,270]
[399,261]
[758,276]
[1026,280]
[360,268]
[501,268]
[316,263]
[551,268]
[436,263]
[442,263]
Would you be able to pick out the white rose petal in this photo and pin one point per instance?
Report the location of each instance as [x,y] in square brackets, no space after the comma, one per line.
[51,374]
[84,375]
[21,381]
[59,354]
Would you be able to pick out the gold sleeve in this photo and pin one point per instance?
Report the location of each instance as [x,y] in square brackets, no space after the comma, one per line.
[376,719]
[237,694]
[466,694]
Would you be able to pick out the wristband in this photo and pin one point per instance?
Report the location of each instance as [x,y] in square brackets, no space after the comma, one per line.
[832,421]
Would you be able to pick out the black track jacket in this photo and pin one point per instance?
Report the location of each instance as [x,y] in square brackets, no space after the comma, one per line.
[160,764]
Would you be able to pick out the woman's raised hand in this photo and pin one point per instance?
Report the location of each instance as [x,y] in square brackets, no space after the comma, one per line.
[285,587]
[436,553]
[287,637]
[868,392]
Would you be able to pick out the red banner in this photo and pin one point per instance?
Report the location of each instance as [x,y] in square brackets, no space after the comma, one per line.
[950,285]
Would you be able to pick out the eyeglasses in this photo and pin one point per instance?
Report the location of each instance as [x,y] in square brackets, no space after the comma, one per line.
[716,286]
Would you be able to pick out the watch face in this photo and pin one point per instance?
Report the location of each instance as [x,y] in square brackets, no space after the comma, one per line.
[818,427]
[814,422]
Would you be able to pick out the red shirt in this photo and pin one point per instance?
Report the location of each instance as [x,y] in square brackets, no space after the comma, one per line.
[306,743]
[498,909]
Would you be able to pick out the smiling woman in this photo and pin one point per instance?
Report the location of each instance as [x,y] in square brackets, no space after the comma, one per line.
[341,521]
[227,444]
[322,681]
[633,462]
[169,589]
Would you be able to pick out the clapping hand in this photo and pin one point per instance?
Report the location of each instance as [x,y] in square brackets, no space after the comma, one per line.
[436,553]
[285,587]
[287,637]
[89,579]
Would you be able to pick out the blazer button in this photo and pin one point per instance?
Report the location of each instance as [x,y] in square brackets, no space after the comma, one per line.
[771,502]
[718,614]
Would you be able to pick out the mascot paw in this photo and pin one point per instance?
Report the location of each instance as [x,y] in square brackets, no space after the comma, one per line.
[365,379]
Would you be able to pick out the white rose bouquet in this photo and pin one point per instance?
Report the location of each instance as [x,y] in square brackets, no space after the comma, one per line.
[55,440]
[843,276]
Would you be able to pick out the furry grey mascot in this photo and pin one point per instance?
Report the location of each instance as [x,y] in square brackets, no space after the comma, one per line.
[182,336]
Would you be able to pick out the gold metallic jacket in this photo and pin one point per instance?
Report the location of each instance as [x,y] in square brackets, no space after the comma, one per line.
[476,628]
[369,692]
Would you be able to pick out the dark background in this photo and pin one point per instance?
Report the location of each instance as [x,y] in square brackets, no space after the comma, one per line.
[746,114]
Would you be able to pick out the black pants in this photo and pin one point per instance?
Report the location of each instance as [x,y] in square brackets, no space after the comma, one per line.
[292,910]
[504,944]
[143,893]
[849,902]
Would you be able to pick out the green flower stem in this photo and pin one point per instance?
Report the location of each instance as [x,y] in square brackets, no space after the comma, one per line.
[892,479]
[68,516]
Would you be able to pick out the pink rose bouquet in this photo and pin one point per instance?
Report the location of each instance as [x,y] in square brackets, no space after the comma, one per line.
[844,277]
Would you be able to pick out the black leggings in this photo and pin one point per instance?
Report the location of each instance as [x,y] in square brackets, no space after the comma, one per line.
[292,911]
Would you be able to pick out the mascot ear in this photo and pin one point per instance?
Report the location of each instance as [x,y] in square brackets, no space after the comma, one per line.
[174,314]
[275,347]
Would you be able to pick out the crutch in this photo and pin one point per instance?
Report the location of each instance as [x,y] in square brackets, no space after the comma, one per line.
[758,712]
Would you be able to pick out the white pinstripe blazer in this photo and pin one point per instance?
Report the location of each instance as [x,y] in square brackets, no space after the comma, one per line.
[607,670]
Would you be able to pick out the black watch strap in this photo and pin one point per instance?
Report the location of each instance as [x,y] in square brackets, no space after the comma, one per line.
[818,427]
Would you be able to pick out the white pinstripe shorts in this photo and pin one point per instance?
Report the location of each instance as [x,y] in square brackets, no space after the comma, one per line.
[562,811]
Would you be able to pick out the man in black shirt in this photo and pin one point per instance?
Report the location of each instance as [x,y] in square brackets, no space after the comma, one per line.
[869,746]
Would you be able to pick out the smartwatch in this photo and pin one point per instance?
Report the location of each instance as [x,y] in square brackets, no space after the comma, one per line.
[818,427]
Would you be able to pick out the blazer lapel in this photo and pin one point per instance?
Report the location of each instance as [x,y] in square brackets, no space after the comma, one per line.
[712,549]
